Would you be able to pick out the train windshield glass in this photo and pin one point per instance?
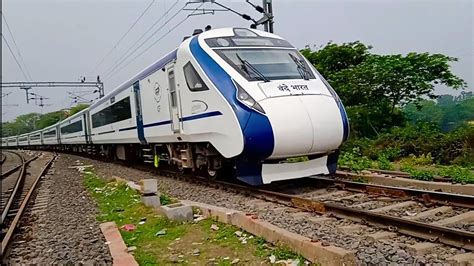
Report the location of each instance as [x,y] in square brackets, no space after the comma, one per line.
[272,64]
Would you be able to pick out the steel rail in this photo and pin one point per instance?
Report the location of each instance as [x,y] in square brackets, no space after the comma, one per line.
[425,196]
[429,232]
[10,171]
[8,236]
[345,171]
[15,188]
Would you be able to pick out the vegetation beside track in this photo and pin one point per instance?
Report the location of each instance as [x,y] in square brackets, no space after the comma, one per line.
[161,241]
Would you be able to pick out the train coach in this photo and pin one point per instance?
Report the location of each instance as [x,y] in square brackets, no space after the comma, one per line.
[230,98]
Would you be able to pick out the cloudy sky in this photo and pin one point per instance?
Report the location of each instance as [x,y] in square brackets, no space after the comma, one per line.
[62,40]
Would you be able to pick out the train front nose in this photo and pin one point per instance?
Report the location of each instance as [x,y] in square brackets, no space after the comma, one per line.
[304,124]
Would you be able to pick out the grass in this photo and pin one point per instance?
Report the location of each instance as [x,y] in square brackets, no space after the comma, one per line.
[117,202]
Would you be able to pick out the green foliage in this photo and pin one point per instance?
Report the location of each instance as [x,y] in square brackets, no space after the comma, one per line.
[383,162]
[354,161]
[333,58]
[413,160]
[420,174]
[373,87]
[360,179]
[458,174]
[165,199]
[448,112]
[78,108]
[49,119]
[34,121]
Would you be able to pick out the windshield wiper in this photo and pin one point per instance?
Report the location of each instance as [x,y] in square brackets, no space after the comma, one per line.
[300,65]
[246,65]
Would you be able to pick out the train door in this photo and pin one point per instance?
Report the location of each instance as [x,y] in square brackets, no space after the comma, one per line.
[173,95]
[138,112]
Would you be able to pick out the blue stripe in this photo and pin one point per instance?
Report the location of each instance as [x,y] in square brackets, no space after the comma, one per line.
[187,118]
[157,124]
[199,116]
[127,128]
[256,128]
[106,132]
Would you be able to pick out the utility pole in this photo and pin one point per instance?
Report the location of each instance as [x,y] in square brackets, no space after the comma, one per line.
[268,11]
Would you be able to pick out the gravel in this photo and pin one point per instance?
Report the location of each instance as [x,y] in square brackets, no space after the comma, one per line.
[367,253]
[63,231]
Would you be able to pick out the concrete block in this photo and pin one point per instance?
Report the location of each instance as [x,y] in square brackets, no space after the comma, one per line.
[151,200]
[148,186]
[315,252]
[118,249]
[419,249]
[220,214]
[177,212]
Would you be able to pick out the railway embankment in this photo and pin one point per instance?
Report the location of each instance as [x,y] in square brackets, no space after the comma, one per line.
[370,243]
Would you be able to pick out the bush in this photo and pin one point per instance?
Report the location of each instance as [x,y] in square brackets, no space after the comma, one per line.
[418,174]
[424,141]
[413,160]
[383,162]
[458,174]
[354,161]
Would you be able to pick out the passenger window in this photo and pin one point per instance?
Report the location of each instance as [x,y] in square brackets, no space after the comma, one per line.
[194,81]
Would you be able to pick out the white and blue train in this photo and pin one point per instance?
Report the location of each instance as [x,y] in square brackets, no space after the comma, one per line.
[226,98]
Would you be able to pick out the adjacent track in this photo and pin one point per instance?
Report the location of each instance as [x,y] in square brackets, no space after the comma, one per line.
[20,195]
[431,232]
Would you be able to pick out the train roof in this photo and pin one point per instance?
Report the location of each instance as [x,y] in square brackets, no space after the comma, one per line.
[147,71]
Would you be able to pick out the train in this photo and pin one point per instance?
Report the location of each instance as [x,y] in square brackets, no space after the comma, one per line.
[227,99]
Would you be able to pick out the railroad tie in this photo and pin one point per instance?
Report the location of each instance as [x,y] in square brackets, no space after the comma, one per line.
[464,217]
[394,206]
[429,213]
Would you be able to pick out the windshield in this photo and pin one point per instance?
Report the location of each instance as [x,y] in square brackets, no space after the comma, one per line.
[273,64]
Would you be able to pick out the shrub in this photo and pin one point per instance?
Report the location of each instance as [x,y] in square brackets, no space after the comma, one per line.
[354,161]
[383,162]
[458,174]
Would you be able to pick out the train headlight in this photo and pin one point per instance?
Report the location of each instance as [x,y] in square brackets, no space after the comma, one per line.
[246,99]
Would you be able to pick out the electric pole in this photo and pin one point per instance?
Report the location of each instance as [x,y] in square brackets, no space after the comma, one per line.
[268,11]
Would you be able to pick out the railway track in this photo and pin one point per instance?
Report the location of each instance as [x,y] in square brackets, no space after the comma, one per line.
[16,197]
[20,163]
[435,217]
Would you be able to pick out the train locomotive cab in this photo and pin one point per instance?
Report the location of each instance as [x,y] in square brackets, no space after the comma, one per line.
[284,107]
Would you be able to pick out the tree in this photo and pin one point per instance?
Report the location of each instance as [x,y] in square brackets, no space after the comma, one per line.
[49,119]
[78,108]
[374,87]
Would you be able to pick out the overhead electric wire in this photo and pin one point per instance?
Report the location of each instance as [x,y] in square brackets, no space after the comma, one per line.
[159,39]
[14,57]
[16,46]
[123,36]
[139,39]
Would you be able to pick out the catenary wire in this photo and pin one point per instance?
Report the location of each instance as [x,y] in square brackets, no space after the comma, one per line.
[123,36]
[110,69]
[14,57]
[146,40]
[16,46]
[159,39]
